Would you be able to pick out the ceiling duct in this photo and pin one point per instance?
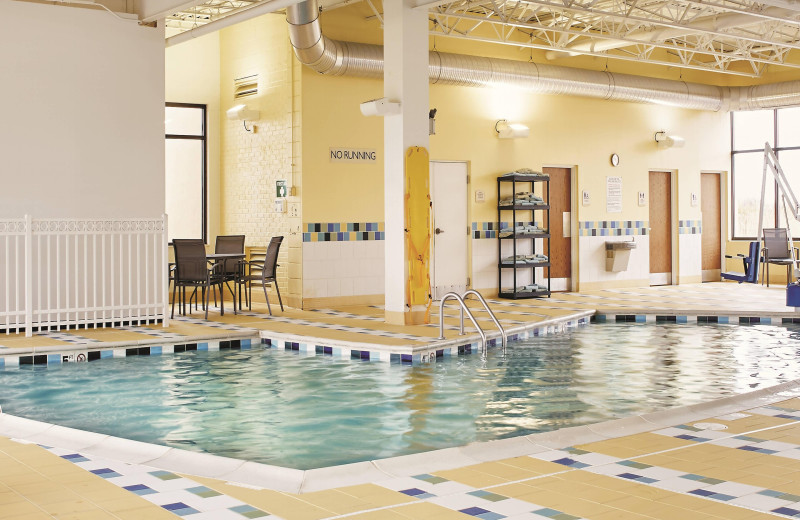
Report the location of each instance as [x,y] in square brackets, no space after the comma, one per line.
[337,58]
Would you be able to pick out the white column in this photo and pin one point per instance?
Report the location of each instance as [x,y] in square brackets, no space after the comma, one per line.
[405,80]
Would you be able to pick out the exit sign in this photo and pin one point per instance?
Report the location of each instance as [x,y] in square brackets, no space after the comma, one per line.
[280,189]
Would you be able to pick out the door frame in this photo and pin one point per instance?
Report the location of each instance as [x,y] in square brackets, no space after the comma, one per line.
[468,223]
[573,222]
[723,214]
[673,228]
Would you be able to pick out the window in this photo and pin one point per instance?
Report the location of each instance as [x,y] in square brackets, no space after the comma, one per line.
[749,131]
[185,179]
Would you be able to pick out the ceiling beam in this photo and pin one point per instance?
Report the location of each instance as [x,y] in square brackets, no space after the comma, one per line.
[152,10]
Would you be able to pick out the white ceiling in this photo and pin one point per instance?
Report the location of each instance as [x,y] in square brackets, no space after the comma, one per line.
[739,37]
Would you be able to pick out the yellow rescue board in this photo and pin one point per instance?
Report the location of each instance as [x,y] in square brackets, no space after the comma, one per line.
[418,226]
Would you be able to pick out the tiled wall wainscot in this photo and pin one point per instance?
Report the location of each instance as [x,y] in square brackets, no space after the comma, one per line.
[690,258]
[592,239]
[343,268]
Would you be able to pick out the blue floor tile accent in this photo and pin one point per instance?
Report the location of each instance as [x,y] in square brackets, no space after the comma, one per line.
[474,511]
[140,489]
[105,473]
[180,509]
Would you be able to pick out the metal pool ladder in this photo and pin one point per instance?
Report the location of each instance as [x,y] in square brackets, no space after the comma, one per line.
[460,299]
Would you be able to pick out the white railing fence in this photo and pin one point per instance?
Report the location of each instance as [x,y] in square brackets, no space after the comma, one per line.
[70,273]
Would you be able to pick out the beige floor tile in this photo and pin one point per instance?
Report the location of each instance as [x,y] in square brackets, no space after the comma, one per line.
[506,472]
[386,514]
[146,513]
[19,509]
[425,511]
[515,490]
[377,496]
[470,477]
[336,501]
[540,467]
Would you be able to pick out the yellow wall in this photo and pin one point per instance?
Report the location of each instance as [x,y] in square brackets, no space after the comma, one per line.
[565,130]
[340,191]
[192,76]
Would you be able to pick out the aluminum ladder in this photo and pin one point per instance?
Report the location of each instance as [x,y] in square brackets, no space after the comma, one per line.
[460,299]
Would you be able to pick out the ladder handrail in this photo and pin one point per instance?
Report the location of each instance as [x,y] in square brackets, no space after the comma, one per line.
[491,315]
[463,308]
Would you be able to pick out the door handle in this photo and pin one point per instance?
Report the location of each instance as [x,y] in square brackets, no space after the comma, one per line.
[439,230]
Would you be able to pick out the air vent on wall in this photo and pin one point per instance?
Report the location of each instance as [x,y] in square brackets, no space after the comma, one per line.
[245,86]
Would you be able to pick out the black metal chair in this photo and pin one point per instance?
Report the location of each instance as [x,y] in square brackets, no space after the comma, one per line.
[777,251]
[231,269]
[192,270]
[263,272]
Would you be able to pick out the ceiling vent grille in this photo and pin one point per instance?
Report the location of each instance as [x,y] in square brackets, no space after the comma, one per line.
[245,86]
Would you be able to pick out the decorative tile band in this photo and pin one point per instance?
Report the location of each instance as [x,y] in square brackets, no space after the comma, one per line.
[602,228]
[343,231]
[83,356]
[489,229]
[690,227]
[657,318]
[424,356]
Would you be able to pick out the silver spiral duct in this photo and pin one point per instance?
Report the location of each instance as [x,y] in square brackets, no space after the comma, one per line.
[337,58]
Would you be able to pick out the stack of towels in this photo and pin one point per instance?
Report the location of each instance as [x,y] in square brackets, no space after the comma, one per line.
[530,228]
[531,288]
[525,259]
[527,171]
[523,198]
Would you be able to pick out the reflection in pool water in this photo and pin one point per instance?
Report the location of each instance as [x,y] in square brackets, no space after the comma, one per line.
[304,412]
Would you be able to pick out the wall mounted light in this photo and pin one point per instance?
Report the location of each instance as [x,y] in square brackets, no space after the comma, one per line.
[380,107]
[244,114]
[668,141]
[506,130]
[432,121]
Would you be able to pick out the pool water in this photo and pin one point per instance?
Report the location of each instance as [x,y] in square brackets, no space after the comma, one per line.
[284,408]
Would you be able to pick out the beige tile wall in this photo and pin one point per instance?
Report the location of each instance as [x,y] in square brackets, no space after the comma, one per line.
[253,161]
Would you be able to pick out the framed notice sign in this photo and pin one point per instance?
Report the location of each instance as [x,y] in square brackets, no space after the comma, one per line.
[614,194]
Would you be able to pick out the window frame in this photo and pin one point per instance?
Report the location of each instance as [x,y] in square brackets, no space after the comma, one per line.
[204,138]
[777,148]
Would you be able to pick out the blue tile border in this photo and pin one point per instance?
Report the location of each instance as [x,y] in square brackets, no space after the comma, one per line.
[87,355]
[592,228]
[343,231]
[690,227]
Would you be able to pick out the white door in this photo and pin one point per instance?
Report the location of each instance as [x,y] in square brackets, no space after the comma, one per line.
[450,227]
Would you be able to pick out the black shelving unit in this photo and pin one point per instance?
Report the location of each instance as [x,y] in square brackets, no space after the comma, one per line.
[522,182]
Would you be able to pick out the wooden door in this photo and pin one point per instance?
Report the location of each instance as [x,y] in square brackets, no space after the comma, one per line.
[660,228]
[711,239]
[450,227]
[560,228]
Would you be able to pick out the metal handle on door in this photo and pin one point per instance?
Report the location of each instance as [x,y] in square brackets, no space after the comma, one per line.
[438,230]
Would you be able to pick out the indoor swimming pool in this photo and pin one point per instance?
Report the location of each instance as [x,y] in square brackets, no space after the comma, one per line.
[288,409]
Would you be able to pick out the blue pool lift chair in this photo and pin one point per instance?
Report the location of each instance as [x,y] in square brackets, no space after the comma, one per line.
[750,262]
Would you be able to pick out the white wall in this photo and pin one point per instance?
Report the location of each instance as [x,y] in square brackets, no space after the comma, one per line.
[81,113]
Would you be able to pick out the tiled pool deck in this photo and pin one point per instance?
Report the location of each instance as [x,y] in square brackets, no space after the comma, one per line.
[679,463]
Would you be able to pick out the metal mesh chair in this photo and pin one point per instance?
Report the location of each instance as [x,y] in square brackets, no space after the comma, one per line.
[231,269]
[192,270]
[778,251]
[263,272]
